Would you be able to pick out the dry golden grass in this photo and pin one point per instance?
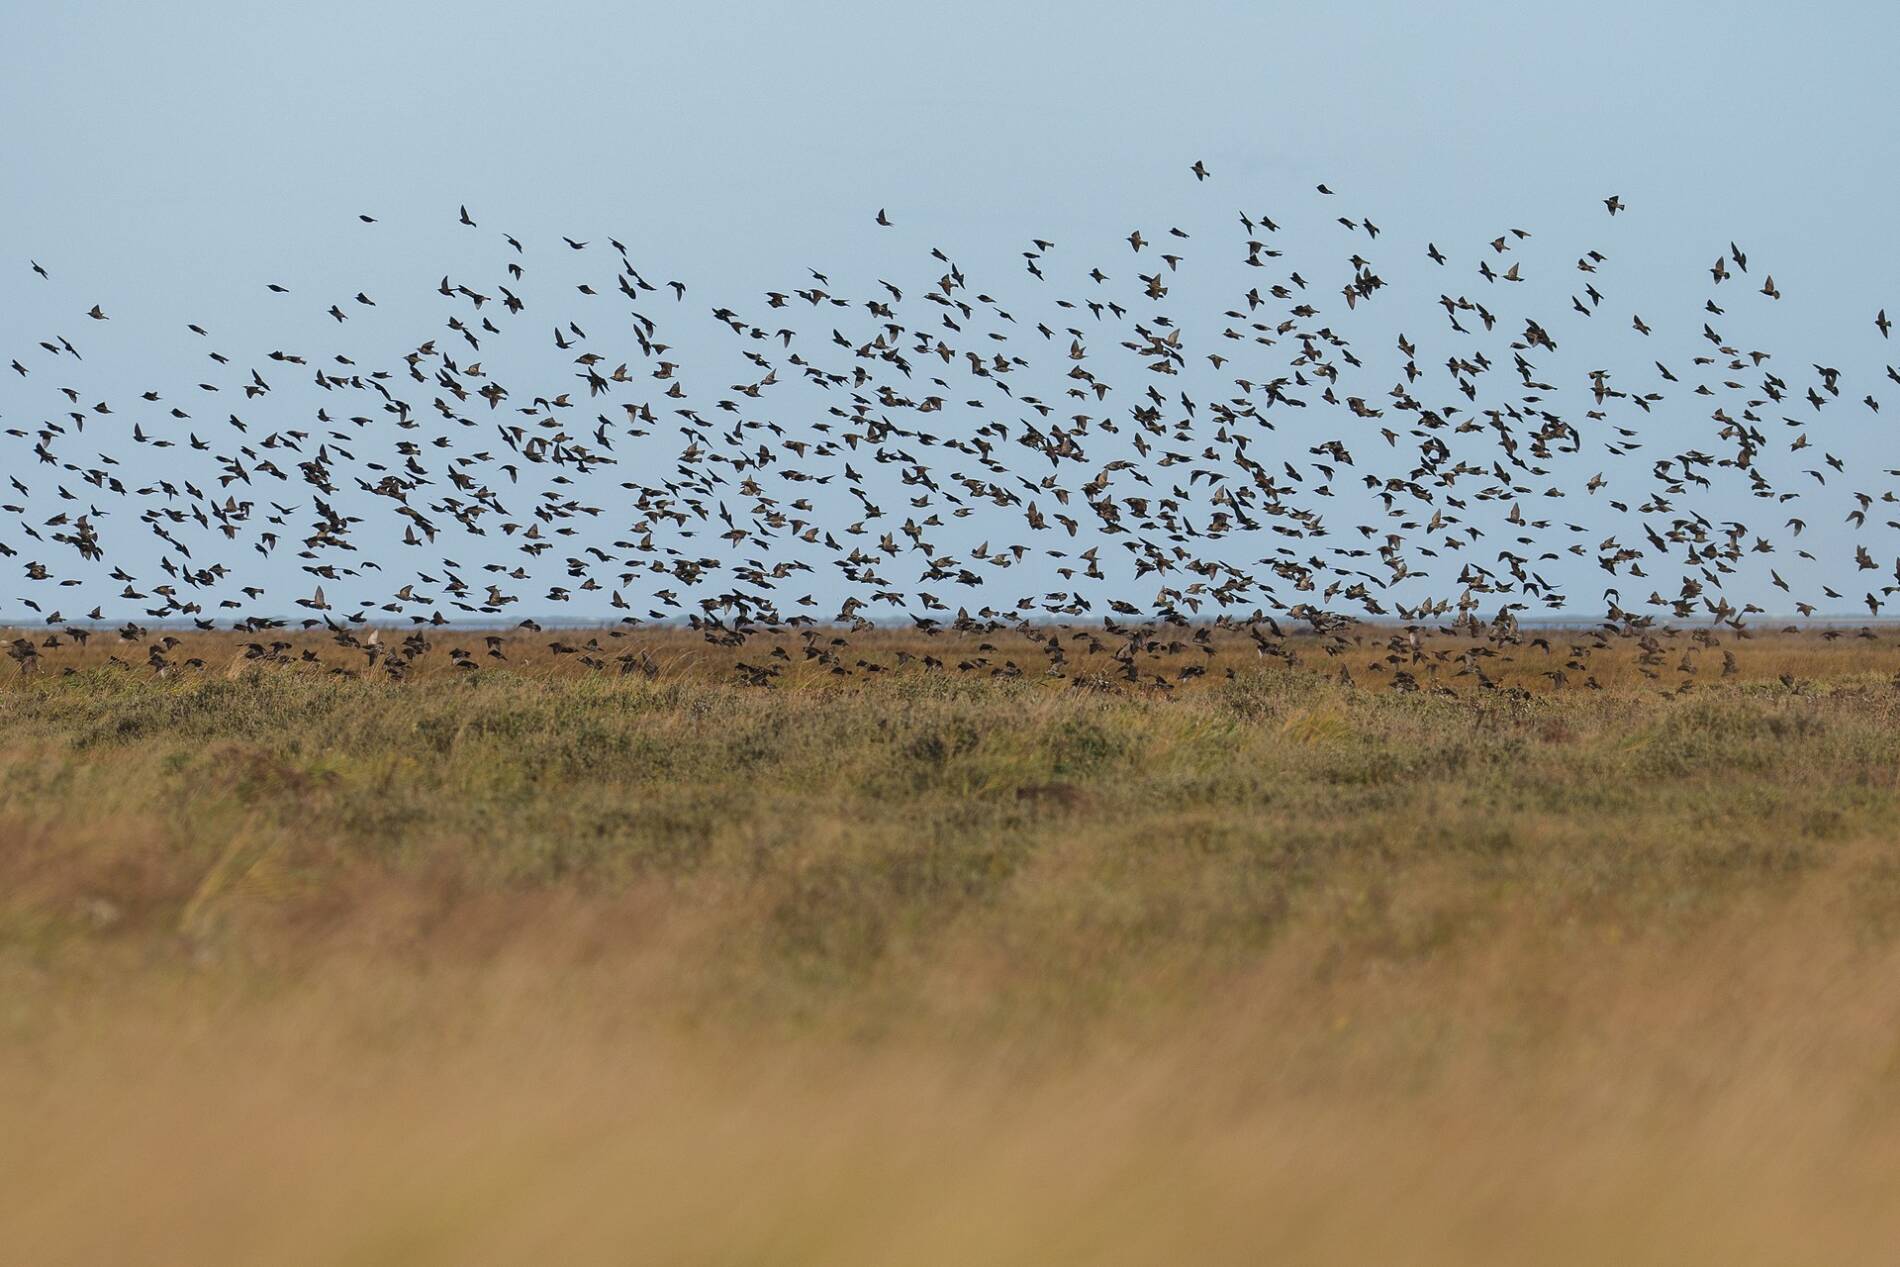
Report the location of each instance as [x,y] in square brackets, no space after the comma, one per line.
[1444,656]
[544,964]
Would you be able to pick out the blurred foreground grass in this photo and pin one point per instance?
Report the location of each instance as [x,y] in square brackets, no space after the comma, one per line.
[920,968]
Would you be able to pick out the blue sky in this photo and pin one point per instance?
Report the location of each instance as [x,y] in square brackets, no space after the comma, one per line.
[166,160]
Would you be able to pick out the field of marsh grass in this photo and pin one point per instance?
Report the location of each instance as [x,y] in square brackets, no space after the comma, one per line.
[923,966]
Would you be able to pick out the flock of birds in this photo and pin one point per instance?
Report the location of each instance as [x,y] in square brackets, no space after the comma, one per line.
[1086,465]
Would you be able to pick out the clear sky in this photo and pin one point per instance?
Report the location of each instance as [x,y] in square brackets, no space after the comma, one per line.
[166,159]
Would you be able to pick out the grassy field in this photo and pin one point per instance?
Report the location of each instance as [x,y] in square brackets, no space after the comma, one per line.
[541,962]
